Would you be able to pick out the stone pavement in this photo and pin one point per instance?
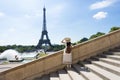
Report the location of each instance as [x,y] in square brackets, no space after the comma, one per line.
[4,67]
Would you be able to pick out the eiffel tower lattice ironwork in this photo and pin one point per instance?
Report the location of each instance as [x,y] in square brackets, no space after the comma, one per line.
[44,33]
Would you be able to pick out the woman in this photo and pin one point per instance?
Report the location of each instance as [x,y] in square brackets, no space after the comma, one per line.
[67,56]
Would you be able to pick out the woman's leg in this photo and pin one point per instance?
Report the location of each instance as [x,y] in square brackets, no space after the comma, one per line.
[68,66]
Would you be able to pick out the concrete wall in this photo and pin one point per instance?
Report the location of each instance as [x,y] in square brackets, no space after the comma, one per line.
[53,62]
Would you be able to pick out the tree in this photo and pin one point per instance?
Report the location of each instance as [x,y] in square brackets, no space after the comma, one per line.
[2,48]
[97,35]
[114,28]
[83,40]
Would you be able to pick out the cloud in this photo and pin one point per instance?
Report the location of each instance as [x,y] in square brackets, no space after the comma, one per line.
[2,14]
[100,15]
[102,4]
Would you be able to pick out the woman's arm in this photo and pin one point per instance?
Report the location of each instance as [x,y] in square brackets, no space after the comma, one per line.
[63,41]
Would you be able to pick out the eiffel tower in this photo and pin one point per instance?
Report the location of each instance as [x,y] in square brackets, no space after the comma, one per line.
[44,33]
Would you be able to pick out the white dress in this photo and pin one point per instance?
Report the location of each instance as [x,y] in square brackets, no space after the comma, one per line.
[67,58]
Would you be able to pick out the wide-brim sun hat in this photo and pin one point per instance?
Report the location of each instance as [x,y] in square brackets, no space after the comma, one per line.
[67,39]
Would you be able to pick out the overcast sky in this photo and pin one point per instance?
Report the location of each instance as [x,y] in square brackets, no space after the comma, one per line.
[21,20]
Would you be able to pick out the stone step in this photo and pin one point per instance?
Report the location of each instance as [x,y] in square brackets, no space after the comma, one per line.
[116,50]
[37,78]
[94,58]
[86,73]
[108,67]
[63,75]
[114,57]
[108,53]
[110,61]
[106,75]
[116,53]
[118,47]
[101,55]
[54,76]
[45,77]
[74,75]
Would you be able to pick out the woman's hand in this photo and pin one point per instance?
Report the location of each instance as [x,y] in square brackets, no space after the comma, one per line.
[62,41]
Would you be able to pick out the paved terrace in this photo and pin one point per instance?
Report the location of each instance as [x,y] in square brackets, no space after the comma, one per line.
[4,67]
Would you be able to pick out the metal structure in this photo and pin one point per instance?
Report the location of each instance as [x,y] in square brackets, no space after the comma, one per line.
[43,40]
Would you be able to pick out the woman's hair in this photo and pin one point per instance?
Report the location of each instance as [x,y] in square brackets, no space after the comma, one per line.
[68,43]
[68,49]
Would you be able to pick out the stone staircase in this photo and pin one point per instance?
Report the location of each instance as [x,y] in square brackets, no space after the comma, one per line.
[104,66]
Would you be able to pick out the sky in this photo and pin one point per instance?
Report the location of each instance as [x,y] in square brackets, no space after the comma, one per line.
[21,20]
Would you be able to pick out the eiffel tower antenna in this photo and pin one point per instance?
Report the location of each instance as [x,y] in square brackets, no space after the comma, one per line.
[44,33]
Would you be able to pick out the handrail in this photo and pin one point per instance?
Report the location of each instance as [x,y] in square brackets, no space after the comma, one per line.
[53,62]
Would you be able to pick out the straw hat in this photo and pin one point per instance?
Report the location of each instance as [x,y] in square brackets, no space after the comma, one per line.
[67,39]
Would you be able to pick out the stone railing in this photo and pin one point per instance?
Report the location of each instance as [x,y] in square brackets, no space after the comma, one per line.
[53,62]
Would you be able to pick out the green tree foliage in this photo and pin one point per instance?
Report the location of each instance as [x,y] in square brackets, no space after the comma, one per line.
[83,40]
[56,47]
[74,43]
[2,48]
[97,35]
[114,28]
[19,48]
